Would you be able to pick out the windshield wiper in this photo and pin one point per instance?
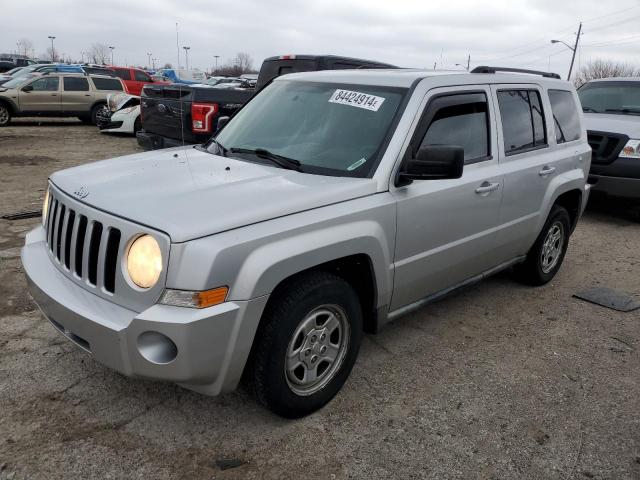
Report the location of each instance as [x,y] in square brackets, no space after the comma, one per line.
[283,162]
[589,109]
[624,110]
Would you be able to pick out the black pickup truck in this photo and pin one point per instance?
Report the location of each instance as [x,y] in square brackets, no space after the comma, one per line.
[175,114]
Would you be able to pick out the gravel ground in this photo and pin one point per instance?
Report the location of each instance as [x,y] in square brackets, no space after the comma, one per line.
[500,381]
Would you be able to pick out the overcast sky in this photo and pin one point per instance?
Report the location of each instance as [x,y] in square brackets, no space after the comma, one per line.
[403,32]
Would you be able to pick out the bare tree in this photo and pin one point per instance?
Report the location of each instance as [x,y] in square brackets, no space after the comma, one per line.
[600,68]
[25,47]
[50,55]
[241,63]
[99,53]
[167,65]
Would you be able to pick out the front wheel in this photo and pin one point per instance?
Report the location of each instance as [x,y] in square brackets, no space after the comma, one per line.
[100,110]
[306,345]
[545,257]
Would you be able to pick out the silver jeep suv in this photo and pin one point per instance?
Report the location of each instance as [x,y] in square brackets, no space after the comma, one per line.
[332,203]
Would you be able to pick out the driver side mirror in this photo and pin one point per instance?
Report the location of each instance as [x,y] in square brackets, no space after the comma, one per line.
[27,88]
[433,162]
[222,121]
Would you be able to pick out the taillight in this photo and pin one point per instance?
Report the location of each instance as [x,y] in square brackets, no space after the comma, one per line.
[201,114]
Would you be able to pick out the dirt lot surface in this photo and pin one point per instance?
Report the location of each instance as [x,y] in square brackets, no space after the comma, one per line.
[500,381]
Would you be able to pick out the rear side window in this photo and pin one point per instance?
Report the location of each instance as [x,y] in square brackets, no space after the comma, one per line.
[47,84]
[565,116]
[141,76]
[122,73]
[522,120]
[461,120]
[76,84]
[107,84]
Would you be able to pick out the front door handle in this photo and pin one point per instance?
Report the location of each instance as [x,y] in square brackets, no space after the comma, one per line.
[487,188]
[546,170]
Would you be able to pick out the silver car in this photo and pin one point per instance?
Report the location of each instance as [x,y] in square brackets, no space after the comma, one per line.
[331,204]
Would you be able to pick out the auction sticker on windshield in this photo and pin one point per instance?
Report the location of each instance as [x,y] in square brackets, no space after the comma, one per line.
[357,99]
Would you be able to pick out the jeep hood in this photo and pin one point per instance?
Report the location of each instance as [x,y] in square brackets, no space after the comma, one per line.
[604,122]
[189,194]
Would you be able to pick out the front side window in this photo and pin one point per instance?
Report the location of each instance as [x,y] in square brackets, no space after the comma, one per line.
[107,84]
[76,84]
[616,97]
[141,76]
[522,120]
[565,116]
[460,120]
[47,84]
[330,129]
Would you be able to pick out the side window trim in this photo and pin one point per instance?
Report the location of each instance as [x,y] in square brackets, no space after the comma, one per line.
[426,117]
[527,88]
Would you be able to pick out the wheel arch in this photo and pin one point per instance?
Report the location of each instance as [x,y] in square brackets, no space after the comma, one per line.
[13,108]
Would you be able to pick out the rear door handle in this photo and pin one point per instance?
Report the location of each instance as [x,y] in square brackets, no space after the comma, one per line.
[486,188]
[546,170]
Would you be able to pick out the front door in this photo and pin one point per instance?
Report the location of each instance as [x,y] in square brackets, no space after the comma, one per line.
[41,96]
[446,229]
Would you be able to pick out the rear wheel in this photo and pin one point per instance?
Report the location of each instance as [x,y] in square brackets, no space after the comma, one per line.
[306,345]
[97,111]
[137,125]
[545,257]
[5,115]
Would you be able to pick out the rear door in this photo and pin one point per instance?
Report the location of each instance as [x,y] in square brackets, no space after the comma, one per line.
[530,162]
[44,96]
[446,229]
[76,95]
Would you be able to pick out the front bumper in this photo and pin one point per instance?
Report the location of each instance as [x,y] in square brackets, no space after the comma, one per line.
[212,344]
[616,186]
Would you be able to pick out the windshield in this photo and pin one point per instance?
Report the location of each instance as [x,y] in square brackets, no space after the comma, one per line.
[617,97]
[15,82]
[330,129]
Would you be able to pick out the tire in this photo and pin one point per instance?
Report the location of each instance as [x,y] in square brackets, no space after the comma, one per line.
[302,317]
[95,111]
[547,253]
[5,115]
[86,120]
[137,125]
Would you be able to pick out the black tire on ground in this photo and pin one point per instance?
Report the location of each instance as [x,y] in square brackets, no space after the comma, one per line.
[86,120]
[94,112]
[291,307]
[137,125]
[5,115]
[544,259]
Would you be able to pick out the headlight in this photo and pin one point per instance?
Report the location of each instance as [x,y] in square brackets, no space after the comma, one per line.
[144,261]
[631,149]
[45,206]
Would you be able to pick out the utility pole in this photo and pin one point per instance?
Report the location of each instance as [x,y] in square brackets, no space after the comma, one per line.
[573,49]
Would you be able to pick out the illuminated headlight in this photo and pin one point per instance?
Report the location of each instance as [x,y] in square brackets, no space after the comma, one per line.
[45,206]
[631,149]
[144,261]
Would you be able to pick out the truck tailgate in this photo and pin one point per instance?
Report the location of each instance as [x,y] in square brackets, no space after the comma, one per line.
[166,111]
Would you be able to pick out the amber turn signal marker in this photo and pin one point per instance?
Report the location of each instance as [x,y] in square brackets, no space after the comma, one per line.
[208,298]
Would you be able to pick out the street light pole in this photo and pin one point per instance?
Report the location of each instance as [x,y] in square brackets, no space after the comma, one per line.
[149,59]
[216,57]
[573,49]
[186,52]
[52,38]
[112,48]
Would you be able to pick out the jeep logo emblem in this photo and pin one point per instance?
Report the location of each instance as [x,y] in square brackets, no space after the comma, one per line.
[81,192]
[162,108]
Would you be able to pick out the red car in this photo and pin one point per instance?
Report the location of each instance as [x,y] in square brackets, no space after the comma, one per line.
[134,78]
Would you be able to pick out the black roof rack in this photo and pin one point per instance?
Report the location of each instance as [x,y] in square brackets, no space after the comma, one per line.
[485,69]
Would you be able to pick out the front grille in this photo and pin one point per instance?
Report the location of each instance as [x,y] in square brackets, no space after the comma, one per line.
[83,246]
[605,146]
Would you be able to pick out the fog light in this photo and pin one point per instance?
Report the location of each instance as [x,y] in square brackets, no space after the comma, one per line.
[157,348]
